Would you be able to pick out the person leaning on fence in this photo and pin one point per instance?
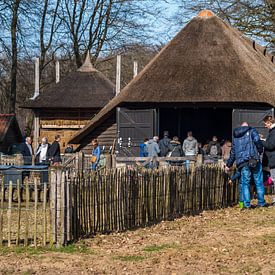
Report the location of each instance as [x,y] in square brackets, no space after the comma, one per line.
[269,148]
[214,150]
[95,154]
[246,150]
[153,151]
[42,155]
[164,144]
[175,150]
[54,151]
[27,151]
[190,145]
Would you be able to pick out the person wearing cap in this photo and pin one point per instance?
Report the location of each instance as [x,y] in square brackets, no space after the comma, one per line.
[164,144]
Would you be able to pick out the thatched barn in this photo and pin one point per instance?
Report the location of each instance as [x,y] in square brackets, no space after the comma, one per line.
[68,105]
[10,133]
[208,79]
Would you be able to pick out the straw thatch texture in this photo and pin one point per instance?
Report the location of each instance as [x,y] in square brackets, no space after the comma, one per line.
[208,61]
[85,88]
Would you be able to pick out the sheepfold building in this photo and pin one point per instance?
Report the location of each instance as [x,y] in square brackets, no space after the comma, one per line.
[208,79]
[68,105]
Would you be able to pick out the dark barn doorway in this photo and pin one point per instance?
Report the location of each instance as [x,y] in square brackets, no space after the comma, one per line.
[203,122]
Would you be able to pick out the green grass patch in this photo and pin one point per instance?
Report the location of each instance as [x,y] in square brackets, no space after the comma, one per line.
[70,249]
[269,238]
[157,248]
[130,258]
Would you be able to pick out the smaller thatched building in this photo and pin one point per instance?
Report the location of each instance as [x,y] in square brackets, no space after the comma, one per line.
[68,105]
[10,133]
[208,79]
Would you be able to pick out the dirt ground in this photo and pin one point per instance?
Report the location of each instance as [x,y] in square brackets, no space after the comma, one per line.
[215,242]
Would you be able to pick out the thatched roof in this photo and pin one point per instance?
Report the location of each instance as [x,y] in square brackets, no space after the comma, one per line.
[85,88]
[207,61]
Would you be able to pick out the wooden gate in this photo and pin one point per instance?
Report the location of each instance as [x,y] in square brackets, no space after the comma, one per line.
[253,117]
[133,126]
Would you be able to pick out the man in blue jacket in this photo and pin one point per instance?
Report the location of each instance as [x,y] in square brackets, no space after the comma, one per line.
[246,150]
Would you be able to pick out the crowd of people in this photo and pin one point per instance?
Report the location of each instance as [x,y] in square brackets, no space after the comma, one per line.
[46,153]
[167,147]
[253,154]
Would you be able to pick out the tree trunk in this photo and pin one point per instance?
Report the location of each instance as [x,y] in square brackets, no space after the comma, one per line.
[13,74]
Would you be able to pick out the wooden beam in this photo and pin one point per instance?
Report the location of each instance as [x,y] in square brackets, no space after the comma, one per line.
[118,74]
[135,68]
[46,126]
[57,71]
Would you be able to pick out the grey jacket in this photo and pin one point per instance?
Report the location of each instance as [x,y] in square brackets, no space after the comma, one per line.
[190,146]
[153,148]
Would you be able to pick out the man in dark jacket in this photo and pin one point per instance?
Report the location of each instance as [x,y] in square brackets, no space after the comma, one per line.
[246,150]
[27,151]
[54,151]
[269,147]
[164,144]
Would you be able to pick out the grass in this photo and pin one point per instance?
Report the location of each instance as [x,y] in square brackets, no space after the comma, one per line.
[70,249]
[157,248]
[129,258]
[269,238]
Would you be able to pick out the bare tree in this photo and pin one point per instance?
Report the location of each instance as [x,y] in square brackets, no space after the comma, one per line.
[103,24]
[255,18]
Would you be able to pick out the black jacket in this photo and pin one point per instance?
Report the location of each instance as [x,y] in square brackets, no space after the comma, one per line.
[164,146]
[217,151]
[269,148]
[176,149]
[54,152]
[27,156]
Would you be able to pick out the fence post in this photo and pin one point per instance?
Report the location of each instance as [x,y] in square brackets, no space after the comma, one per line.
[58,206]
[114,161]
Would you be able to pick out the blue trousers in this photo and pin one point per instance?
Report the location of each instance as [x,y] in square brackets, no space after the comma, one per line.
[246,174]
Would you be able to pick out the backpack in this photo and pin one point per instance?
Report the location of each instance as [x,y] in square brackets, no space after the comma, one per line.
[214,150]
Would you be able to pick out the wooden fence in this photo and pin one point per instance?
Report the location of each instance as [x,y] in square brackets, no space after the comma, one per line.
[75,205]
[25,212]
[121,199]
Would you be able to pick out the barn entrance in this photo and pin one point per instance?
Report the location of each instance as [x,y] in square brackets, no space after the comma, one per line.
[203,122]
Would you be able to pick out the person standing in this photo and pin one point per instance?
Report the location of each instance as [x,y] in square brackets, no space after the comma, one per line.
[54,151]
[175,150]
[226,148]
[143,150]
[246,150]
[153,152]
[95,154]
[153,147]
[190,145]
[214,148]
[269,148]
[164,144]
[27,151]
[42,152]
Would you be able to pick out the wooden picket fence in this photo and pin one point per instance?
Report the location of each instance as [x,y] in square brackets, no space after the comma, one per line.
[76,205]
[25,213]
[121,199]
